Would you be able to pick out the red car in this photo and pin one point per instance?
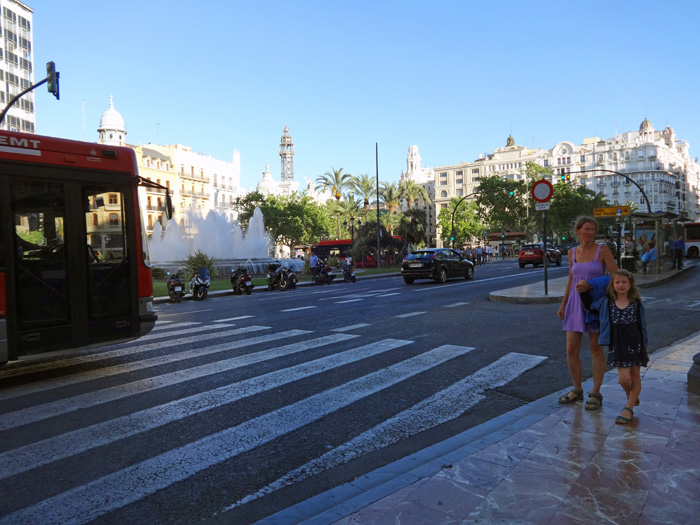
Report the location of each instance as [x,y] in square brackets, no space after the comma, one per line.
[367,262]
[534,254]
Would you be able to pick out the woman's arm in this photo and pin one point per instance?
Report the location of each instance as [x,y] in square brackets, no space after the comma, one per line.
[606,257]
[562,308]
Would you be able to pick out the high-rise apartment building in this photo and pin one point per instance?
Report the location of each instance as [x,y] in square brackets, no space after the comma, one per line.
[16,65]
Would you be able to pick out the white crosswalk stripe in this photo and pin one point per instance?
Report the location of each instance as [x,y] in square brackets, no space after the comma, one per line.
[333,373]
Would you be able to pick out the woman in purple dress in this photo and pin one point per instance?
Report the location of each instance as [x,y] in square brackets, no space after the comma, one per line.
[586,261]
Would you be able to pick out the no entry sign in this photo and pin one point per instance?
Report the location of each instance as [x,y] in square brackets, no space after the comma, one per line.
[542,191]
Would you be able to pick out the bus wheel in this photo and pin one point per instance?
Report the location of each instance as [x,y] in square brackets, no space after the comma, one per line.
[693,251]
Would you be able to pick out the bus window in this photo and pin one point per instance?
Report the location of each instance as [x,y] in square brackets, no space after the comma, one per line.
[108,271]
[39,212]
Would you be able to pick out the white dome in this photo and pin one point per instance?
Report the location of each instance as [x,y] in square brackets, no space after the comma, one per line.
[111,119]
[267,185]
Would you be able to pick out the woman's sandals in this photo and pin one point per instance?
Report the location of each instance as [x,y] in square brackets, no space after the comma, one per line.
[622,420]
[571,397]
[595,401]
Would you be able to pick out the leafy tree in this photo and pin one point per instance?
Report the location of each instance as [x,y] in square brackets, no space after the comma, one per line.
[502,203]
[365,188]
[412,191]
[570,200]
[412,228]
[366,241]
[390,221]
[467,224]
[289,219]
[337,182]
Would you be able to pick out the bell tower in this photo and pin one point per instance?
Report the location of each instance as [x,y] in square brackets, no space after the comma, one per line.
[287,156]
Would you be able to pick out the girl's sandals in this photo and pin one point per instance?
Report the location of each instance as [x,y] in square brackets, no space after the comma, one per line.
[622,420]
[571,397]
[595,401]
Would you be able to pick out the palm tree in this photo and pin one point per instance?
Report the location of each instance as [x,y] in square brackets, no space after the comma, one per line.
[365,188]
[350,207]
[337,182]
[390,195]
[411,191]
[391,221]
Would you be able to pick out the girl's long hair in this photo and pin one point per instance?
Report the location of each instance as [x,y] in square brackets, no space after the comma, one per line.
[633,295]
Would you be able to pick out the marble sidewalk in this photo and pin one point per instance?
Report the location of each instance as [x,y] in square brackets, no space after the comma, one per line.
[564,465]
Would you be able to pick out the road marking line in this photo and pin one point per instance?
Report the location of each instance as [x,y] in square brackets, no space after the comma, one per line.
[233,319]
[87,502]
[441,407]
[351,327]
[453,305]
[75,442]
[297,309]
[350,301]
[161,335]
[388,294]
[409,315]
[90,399]
[82,357]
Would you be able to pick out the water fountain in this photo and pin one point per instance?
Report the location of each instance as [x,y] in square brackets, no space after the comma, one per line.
[216,237]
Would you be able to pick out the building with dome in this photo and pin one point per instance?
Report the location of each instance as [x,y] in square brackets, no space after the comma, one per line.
[655,159]
[112,130]
[268,185]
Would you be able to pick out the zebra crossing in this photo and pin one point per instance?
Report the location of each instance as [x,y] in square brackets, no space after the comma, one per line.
[166,418]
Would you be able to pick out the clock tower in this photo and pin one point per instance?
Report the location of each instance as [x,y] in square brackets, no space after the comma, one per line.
[287,156]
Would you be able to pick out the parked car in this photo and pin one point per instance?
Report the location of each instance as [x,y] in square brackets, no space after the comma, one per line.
[436,263]
[534,254]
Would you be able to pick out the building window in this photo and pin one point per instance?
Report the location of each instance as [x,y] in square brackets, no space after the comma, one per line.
[460,192]
[546,163]
[443,183]
[460,181]
[113,219]
[460,172]
[94,219]
[113,198]
[583,159]
[443,175]
[443,194]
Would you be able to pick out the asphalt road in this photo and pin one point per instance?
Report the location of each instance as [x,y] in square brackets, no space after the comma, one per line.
[239,406]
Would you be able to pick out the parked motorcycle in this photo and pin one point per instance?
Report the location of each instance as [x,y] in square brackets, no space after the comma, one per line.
[176,286]
[199,285]
[324,273]
[348,272]
[279,276]
[241,281]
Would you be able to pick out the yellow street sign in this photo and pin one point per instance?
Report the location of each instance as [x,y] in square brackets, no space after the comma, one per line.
[612,211]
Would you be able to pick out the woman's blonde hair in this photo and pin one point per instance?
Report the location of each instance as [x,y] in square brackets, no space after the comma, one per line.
[633,294]
[583,219]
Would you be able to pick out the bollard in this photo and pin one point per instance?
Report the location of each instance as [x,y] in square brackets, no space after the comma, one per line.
[694,376]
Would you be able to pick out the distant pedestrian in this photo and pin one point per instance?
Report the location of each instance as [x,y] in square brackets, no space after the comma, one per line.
[617,302]
[678,252]
[313,263]
[648,256]
[479,255]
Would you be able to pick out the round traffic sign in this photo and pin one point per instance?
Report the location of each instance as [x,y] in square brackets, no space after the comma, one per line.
[542,191]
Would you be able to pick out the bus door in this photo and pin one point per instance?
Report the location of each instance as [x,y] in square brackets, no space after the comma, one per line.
[71,272]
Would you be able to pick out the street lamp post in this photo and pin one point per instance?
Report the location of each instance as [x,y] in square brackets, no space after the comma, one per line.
[621,175]
[453,215]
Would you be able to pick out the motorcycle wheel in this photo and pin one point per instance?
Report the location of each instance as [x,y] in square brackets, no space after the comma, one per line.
[284,284]
[317,280]
[199,293]
[248,290]
[354,278]
[270,286]
[175,297]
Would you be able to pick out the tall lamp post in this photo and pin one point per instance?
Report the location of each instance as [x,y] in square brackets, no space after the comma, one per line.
[452,231]
[352,229]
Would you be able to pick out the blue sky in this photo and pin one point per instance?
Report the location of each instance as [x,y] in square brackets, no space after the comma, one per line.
[453,77]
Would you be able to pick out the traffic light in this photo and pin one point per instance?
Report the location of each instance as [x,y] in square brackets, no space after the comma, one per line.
[503,234]
[511,191]
[52,79]
[568,177]
[562,177]
[452,236]
[563,238]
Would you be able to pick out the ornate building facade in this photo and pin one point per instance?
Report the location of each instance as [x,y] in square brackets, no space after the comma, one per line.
[655,159]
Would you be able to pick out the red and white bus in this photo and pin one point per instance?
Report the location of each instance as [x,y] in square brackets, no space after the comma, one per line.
[74,265]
